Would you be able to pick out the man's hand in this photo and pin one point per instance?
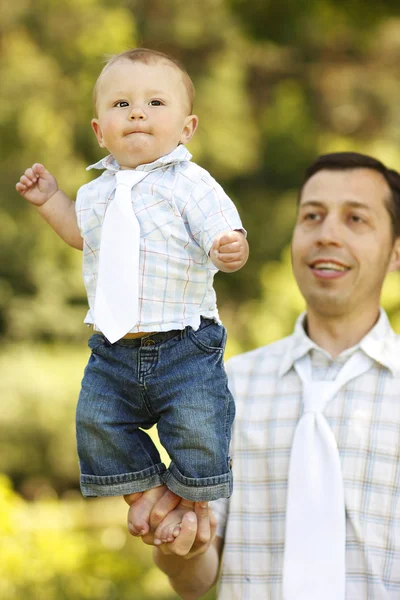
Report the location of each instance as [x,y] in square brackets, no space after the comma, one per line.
[229,251]
[197,528]
[37,185]
[197,532]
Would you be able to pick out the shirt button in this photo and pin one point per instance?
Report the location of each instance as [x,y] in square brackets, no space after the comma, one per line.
[148,343]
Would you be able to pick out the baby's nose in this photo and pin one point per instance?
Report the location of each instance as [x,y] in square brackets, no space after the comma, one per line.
[137,113]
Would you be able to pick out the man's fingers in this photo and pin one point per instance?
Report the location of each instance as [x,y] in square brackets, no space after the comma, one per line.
[186,538]
[203,522]
[197,530]
[164,506]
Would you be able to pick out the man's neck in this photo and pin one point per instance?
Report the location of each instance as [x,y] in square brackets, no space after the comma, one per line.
[336,334]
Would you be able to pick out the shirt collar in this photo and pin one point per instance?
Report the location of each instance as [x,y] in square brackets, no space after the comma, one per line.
[179,154]
[380,343]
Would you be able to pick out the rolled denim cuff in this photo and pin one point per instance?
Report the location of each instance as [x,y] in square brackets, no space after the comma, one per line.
[125,483]
[198,489]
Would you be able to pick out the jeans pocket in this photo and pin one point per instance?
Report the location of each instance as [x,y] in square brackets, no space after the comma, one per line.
[210,337]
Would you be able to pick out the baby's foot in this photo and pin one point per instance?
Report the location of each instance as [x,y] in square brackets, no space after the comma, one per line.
[170,527]
[140,507]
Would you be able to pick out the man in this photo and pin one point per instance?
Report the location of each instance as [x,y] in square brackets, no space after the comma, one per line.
[346,239]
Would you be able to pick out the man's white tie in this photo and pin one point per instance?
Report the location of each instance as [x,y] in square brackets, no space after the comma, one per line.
[315,539]
[116,302]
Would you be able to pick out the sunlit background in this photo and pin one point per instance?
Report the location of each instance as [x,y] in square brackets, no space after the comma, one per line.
[277,84]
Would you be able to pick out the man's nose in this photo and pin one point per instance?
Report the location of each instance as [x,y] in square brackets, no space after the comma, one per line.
[137,113]
[330,231]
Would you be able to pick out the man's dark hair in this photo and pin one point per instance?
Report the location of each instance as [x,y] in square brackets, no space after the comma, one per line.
[341,161]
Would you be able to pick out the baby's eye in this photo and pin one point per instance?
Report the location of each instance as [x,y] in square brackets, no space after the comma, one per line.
[311,216]
[121,104]
[155,103]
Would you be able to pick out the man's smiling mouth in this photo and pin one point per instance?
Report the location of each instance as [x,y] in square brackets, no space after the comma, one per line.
[328,265]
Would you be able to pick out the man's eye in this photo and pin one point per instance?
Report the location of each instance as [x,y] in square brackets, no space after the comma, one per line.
[155,103]
[356,219]
[121,104]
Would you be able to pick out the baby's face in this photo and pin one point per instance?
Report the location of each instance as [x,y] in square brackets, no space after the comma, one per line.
[143,111]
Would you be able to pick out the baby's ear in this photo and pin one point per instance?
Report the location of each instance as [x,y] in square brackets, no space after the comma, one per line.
[98,132]
[189,128]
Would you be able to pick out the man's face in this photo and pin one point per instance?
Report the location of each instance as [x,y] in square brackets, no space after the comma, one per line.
[143,111]
[342,243]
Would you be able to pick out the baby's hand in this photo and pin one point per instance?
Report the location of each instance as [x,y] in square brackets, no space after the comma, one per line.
[37,185]
[229,251]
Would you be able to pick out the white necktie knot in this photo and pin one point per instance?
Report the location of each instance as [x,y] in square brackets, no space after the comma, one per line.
[316,395]
[129,177]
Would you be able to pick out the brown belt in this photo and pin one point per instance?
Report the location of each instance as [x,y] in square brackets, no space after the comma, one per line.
[139,334]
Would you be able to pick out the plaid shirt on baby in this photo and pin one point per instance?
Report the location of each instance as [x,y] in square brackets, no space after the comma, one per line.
[180,209]
[365,419]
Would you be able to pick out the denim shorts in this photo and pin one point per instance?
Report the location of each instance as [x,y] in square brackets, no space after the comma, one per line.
[174,379]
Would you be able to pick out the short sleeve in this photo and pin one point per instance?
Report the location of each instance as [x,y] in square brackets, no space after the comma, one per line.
[210,211]
[79,203]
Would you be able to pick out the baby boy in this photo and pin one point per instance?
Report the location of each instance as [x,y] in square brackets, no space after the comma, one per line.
[164,365]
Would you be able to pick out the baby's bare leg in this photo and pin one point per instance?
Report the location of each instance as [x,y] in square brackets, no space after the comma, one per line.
[140,507]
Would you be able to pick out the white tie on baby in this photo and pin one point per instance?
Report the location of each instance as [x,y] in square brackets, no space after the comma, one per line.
[315,539]
[116,302]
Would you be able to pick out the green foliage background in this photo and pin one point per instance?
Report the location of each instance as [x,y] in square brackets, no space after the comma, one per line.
[277,84]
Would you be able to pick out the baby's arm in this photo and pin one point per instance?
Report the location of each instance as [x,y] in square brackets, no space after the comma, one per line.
[40,188]
[230,251]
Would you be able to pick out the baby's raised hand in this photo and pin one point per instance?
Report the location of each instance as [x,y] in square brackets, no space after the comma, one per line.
[229,251]
[37,185]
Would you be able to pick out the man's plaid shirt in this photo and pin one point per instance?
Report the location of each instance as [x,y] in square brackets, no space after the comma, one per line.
[180,209]
[365,418]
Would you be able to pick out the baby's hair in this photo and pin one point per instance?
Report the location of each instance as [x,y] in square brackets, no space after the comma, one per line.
[147,56]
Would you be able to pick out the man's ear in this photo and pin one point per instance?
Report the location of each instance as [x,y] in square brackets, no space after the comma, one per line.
[189,129]
[98,132]
[394,263]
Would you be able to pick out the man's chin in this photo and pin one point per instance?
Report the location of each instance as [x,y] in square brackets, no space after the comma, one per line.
[329,305]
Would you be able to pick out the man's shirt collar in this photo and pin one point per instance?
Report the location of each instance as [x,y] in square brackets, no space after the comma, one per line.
[179,154]
[380,343]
